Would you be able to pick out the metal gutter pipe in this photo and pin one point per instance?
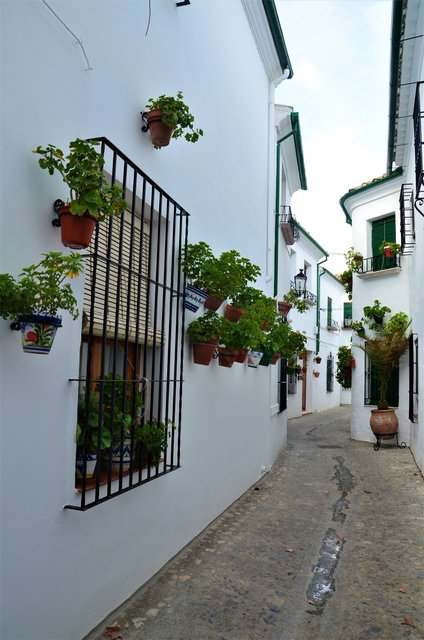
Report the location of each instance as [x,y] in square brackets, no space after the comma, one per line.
[317,340]
[277,208]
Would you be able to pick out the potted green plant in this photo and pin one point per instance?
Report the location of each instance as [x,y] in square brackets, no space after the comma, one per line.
[237,337]
[344,367]
[193,261]
[298,303]
[358,327]
[256,305]
[92,436]
[384,347]
[204,333]
[154,439]
[281,342]
[33,300]
[354,260]
[122,406]
[229,278]
[389,249]
[169,117]
[91,197]
[375,313]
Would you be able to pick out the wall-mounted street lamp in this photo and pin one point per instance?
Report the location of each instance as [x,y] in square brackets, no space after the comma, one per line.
[300,283]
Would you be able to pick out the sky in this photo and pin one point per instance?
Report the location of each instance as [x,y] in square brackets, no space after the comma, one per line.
[340,54]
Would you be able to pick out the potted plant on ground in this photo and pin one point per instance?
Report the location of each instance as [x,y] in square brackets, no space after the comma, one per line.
[204,333]
[389,249]
[33,300]
[169,117]
[91,197]
[193,261]
[384,347]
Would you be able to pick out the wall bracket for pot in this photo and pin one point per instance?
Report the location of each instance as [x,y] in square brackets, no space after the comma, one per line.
[56,206]
[145,126]
[15,326]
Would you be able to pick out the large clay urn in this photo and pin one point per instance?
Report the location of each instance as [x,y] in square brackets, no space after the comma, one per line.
[384,423]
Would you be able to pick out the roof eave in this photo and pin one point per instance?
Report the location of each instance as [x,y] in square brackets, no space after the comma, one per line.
[394,78]
[277,36]
[353,192]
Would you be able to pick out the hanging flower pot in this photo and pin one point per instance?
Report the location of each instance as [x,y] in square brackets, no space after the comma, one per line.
[284,308]
[275,358]
[233,313]
[266,359]
[388,252]
[241,355]
[194,297]
[301,376]
[318,359]
[253,358]
[38,332]
[160,133]
[76,231]
[213,303]
[226,357]
[91,461]
[316,374]
[203,352]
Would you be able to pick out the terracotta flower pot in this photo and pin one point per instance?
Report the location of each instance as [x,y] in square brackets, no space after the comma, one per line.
[160,133]
[213,303]
[76,231]
[203,352]
[226,357]
[275,358]
[233,313]
[384,423]
[241,355]
[284,308]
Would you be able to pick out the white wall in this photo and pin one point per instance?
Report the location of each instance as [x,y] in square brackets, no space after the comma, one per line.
[63,571]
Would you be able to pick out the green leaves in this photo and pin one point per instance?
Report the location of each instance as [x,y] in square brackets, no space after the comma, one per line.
[82,172]
[176,115]
[41,287]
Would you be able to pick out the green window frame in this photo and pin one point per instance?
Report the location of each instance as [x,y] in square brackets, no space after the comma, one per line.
[383,229]
[347,315]
[329,311]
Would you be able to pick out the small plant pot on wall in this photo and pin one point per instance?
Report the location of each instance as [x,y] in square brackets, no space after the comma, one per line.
[213,303]
[226,357]
[38,332]
[203,352]
[160,133]
[284,308]
[254,358]
[233,314]
[194,297]
[241,355]
[76,231]
[316,374]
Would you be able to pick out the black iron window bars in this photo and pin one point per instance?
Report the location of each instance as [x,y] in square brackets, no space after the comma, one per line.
[131,375]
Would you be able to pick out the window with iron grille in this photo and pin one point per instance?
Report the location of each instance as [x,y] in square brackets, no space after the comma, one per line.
[283,385]
[413,378]
[330,373]
[130,385]
[372,385]
[418,142]
[347,315]
[383,229]
[329,311]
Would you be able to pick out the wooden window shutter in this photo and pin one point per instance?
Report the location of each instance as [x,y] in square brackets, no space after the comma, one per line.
[121,275]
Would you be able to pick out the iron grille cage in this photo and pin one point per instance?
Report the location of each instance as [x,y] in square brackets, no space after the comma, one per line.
[330,373]
[413,377]
[407,219]
[283,385]
[131,373]
[418,142]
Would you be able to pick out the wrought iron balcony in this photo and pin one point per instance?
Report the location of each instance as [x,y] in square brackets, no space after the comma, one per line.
[309,297]
[418,115]
[379,263]
[333,326]
[288,226]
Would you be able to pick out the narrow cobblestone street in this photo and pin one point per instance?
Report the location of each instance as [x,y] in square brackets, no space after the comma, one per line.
[328,545]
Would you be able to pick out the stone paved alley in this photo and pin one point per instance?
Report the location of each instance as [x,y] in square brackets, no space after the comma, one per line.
[328,545]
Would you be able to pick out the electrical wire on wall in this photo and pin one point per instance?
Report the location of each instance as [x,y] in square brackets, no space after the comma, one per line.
[89,67]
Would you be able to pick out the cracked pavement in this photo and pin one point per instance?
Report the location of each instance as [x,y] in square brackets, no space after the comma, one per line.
[328,545]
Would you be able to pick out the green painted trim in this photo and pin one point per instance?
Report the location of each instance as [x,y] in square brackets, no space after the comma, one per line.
[397,13]
[305,233]
[370,185]
[334,277]
[294,117]
[277,36]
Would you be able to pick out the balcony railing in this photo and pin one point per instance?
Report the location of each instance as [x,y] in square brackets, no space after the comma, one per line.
[379,263]
[333,326]
[418,115]
[288,226]
[307,296]
[407,219]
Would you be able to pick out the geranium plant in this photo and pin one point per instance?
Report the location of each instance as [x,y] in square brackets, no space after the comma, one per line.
[175,115]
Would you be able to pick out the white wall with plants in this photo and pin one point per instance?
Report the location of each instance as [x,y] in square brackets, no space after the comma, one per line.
[68,569]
